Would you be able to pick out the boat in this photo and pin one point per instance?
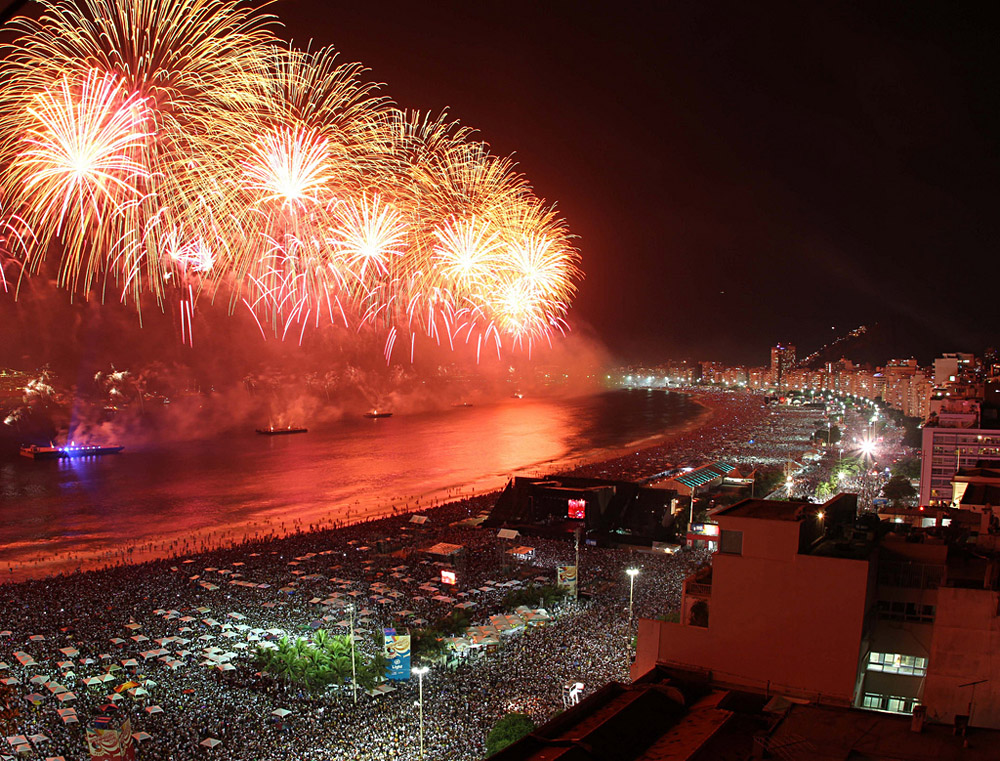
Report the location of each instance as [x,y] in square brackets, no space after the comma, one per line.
[272,431]
[36,452]
[377,414]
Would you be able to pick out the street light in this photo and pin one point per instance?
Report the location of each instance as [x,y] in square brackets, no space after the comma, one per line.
[420,671]
[632,573]
[354,671]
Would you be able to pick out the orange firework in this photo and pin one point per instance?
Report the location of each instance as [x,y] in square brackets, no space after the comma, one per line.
[176,147]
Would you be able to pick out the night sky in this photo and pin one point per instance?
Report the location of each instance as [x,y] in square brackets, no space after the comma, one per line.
[738,174]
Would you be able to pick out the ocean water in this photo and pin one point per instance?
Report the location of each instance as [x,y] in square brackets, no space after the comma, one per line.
[248,483]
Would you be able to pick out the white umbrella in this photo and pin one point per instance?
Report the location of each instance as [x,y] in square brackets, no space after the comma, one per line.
[140,736]
[153,709]
[280,712]
[210,742]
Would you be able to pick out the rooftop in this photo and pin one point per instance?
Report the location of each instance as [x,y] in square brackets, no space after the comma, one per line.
[820,733]
[768,510]
[704,474]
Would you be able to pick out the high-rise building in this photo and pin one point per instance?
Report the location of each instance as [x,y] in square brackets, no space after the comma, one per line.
[782,361]
[950,367]
[945,450]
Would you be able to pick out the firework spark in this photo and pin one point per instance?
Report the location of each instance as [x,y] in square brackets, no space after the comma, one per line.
[176,146]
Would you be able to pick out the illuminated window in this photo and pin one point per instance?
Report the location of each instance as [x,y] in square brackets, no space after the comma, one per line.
[896,663]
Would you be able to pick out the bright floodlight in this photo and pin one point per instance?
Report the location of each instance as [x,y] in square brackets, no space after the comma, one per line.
[868,448]
[633,572]
[419,670]
[820,515]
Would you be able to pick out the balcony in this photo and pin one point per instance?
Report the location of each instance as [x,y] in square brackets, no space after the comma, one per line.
[699,584]
[692,589]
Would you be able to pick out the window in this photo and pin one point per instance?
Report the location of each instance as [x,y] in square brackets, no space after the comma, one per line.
[873,701]
[896,663]
[731,542]
[912,612]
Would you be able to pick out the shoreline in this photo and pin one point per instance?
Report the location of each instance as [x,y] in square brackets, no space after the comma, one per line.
[269,529]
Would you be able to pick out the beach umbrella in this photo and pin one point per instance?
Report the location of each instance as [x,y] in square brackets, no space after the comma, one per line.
[55,758]
[39,738]
[65,697]
[114,697]
[39,679]
[140,736]
[36,637]
[210,742]
[130,662]
[153,709]
[133,626]
[280,712]
[17,740]
[34,698]
[90,681]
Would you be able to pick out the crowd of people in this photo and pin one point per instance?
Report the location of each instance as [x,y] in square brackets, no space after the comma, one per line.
[103,619]
[741,427]
[184,630]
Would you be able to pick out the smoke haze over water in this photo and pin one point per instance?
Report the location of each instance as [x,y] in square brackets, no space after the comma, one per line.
[111,377]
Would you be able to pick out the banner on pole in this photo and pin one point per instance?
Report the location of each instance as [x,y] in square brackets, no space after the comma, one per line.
[566,578]
[397,651]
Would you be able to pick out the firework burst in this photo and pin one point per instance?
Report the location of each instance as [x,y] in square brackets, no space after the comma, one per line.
[176,146]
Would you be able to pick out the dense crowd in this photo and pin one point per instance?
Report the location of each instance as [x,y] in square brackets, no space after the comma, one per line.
[99,613]
[742,428]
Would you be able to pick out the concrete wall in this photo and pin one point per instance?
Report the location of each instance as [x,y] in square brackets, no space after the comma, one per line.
[795,623]
[965,648]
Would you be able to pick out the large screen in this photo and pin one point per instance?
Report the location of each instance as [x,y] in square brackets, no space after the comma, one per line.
[577,509]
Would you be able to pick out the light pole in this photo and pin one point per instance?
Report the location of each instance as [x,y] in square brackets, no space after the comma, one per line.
[420,671]
[632,573]
[354,671]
